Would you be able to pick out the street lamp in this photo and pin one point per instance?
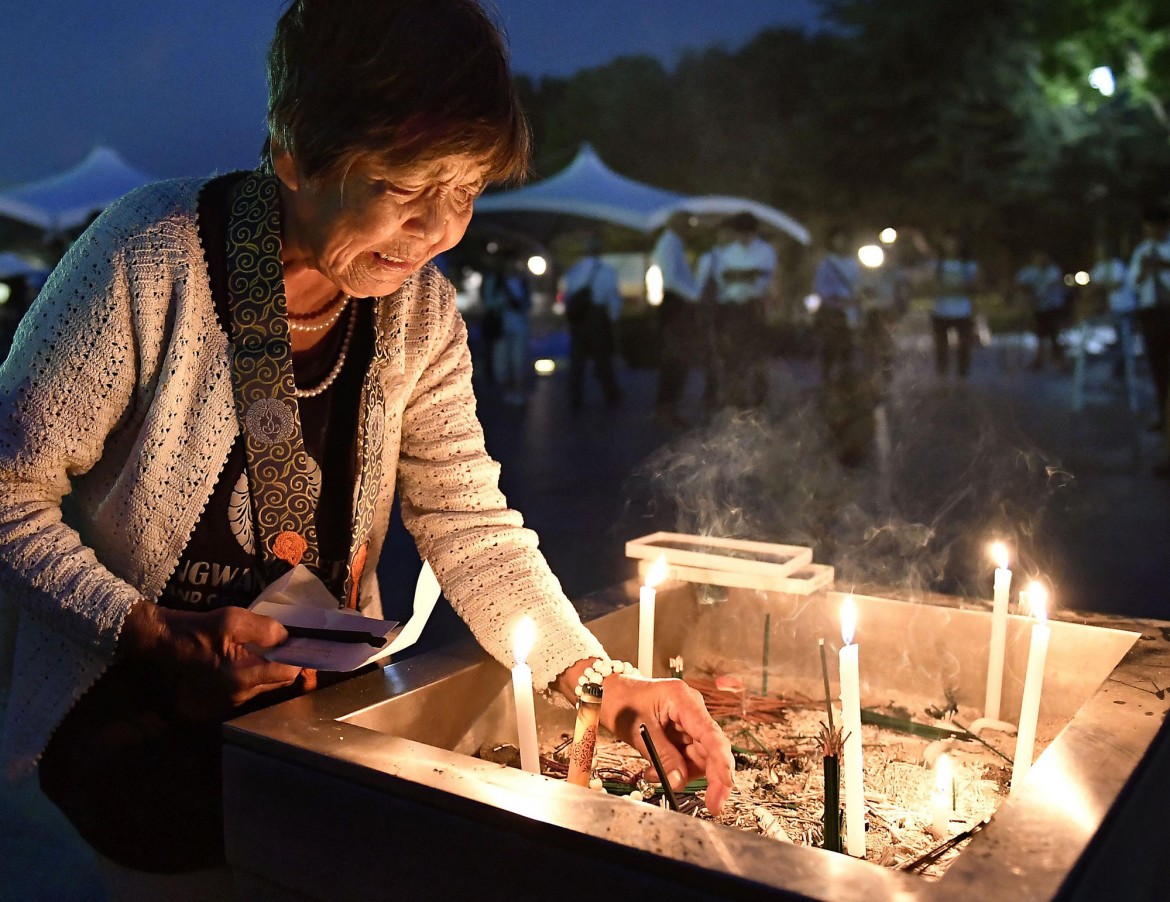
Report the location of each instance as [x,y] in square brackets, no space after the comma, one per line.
[655,287]
[871,256]
[1102,79]
[888,236]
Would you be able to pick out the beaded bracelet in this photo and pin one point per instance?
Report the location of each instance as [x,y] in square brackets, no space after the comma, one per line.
[599,670]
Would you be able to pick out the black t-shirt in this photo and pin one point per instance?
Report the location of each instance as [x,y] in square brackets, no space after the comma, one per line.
[220,565]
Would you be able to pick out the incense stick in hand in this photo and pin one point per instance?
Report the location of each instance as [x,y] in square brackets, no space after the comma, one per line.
[350,636]
[657,762]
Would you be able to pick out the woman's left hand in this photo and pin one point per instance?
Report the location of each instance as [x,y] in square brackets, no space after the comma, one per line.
[689,742]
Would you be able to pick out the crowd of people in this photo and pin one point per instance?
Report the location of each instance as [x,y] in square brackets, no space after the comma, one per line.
[710,314]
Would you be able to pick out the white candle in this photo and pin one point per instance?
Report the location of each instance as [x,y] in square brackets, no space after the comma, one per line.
[646,600]
[523,638]
[1033,685]
[999,615]
[942,798]
[851,724]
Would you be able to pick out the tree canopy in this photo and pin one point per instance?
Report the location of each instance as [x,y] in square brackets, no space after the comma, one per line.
[926,114]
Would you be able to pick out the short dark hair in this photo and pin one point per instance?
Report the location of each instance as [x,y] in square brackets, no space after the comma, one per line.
[397,81]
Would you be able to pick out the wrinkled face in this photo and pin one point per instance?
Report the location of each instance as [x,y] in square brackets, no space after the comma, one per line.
[368,230]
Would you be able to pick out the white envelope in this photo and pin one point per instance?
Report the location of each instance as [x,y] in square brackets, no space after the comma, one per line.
[299,598]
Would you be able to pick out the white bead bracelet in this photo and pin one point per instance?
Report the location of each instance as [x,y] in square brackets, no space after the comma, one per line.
[599,670]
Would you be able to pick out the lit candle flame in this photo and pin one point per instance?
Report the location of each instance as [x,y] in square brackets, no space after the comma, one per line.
[523,638]
[848,620]
[999,554]
[658,572]
[1038,601]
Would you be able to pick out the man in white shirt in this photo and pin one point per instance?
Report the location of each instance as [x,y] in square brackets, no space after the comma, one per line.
[676,322]
[1109,282]
[837,283]
[1043,285]
[593,303]
[1149,279]
[744,270]
[954,279]
[707,285]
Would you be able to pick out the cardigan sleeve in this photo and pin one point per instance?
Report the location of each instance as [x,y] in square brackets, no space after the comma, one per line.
[69,378]
[487,563]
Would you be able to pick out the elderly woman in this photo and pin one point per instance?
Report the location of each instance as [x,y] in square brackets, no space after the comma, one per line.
[228,377]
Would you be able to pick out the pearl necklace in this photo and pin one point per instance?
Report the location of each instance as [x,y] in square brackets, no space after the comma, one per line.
[336,371]
[331,312]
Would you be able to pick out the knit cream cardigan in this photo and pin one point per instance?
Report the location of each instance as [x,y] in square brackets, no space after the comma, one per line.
[116,405]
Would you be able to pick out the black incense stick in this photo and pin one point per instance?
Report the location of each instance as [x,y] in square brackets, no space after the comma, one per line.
[832,818]
[657,762]
[828,692]
[767,634]
[353,637]
[941,849]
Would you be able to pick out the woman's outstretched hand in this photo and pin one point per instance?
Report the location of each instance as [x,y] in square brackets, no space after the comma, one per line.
[689,742]
[208,655]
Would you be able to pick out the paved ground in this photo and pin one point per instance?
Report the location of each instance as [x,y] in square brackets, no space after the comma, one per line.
[1002,454]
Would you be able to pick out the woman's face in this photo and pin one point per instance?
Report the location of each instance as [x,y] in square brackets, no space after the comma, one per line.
[368,230]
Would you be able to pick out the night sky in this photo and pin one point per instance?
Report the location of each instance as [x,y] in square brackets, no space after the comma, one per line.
[177,87]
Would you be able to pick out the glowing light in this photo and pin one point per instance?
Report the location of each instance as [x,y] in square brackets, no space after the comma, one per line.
[1037,595]
[848,620]
[655,288]
[493,247]
[812,303]
[943,775]
[473,282]
[658,572]
[888,236]
[537,265]
[1068,280]
[1102,79]
[523,638]
[1081,278]
[5,292]
[999,554]
[544,366]
[871,255]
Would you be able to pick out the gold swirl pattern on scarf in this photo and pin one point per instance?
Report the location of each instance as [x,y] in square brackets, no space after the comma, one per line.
[262,377]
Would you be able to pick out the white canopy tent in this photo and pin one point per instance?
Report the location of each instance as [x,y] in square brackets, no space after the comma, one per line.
[722,205]
[589,189]
[586,188]
[69,199]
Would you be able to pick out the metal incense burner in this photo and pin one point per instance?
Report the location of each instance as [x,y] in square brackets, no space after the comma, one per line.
[366,790]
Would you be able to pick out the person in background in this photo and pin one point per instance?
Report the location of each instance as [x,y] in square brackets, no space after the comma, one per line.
[884,295]
[1043,286]
[746,268]
[676,324]
[1110,284]
[593,304]
[491,322]
[953,283]
[837,281]
[508,294]
[707,283]
[1149,279]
